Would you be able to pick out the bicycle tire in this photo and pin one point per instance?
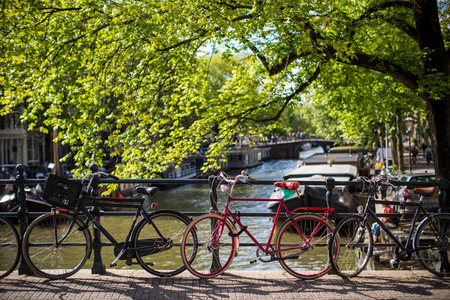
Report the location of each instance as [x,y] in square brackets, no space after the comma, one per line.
[164,235]
[10,247]
[304,263]
[355,242]
[213,252]
[44,253]
[432,241]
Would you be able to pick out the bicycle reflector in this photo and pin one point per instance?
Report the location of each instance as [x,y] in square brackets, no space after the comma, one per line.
[406,193]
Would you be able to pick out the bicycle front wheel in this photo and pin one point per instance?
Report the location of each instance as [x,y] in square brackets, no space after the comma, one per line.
[56,245]
[158,242]
[307,257]
[10,247]
[354,240]
[215,248]
[432,244]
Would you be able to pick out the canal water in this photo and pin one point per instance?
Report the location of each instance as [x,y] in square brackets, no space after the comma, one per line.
[195,198]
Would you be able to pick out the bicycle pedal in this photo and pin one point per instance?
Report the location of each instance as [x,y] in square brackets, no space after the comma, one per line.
[394,263]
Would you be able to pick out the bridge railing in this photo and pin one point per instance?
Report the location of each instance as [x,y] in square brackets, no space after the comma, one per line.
[330,184]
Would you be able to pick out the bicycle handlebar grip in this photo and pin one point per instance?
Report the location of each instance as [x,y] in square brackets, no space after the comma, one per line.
[104,175]
[252,179]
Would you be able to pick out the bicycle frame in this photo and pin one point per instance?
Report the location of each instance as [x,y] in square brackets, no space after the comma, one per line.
[125,247]
[419,210]
[266,249]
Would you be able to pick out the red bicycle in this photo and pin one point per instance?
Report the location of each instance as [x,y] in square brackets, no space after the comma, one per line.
[299,244]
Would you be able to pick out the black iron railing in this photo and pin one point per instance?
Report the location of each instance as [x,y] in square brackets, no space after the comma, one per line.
[98,267]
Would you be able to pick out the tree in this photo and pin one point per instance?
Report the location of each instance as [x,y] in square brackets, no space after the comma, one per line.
[74,58]
[357,105]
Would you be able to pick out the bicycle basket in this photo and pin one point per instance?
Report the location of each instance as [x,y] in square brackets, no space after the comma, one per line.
[61,192]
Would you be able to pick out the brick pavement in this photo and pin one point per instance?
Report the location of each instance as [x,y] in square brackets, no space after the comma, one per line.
[138,284]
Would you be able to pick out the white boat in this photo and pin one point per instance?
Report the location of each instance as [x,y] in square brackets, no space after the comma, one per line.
[306,147]
[313,195]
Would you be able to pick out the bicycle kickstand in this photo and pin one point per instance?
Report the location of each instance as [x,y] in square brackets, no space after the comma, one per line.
[114,262]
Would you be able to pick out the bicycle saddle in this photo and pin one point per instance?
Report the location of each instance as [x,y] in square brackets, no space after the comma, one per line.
[147,190]
[424,190]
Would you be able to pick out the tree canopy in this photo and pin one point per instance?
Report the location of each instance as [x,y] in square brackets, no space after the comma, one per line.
[135,77]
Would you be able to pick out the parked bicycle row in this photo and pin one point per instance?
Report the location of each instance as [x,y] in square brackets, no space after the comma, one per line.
[166,242]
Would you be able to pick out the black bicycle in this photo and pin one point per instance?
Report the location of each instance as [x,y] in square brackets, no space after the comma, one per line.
[430,243]
[56,245]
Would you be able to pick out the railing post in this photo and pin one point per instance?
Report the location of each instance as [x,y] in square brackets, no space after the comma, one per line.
[213,192]
[331,184]
[215,263]
[22,214]
[443,203]
[98,267]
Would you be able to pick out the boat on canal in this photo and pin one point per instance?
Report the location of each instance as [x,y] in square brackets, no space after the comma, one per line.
[313,194]
[33,202]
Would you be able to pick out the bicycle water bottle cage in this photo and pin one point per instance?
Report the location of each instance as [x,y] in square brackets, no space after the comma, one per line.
[288,185]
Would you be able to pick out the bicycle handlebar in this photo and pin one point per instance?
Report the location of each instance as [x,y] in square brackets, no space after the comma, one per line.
[373,184]
[103,175]
[243,177]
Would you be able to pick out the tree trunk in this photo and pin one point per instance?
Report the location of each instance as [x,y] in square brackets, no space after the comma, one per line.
[436,61]
[401,162]
[438,117]
[394,147]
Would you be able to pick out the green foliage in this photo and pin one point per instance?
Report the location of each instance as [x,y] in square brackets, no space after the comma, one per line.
[351,104]
[132,79]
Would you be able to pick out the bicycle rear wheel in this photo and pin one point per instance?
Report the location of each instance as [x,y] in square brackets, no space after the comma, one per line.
[354,240]
[215,248]
[56,246]
[432,244]
[301,259]
[160,242]
[10,247]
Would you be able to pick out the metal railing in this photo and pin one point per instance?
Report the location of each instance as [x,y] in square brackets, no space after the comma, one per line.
[99,268]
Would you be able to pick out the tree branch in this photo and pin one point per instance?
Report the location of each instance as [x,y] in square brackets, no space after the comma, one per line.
[406,28]
[244,115]
[383,66]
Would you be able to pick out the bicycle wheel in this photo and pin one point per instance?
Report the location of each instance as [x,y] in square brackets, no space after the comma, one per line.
[354,238]
[56,246]
[215,249]
[10,247]
[432,244]
[160,242]
[304,258]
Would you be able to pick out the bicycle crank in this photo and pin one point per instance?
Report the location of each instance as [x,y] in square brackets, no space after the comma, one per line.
[264,257]
[403,255]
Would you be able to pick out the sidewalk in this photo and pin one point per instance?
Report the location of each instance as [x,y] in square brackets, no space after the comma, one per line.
[421,165]
[138,284]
